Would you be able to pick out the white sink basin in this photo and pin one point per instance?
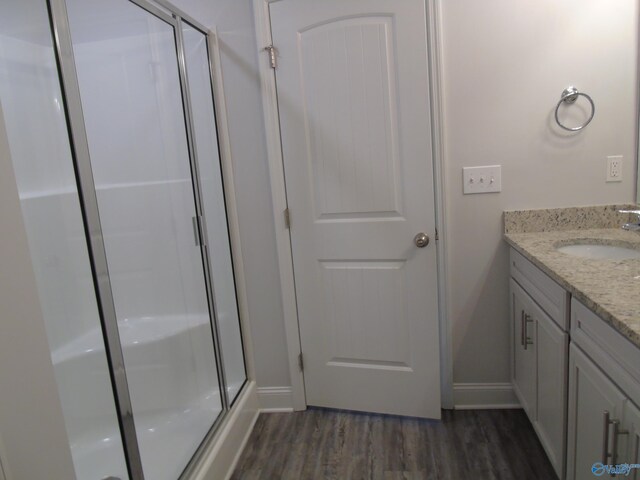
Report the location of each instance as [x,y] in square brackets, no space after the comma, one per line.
[600,252]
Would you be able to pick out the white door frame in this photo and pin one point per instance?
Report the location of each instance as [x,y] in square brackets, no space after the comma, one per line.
[279,198]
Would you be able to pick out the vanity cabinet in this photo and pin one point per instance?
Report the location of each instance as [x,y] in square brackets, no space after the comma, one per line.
[577,378]
[604,386]
[540,342]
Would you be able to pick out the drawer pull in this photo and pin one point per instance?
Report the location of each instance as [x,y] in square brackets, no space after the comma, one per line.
[614,443]
[614,447]
[605,437]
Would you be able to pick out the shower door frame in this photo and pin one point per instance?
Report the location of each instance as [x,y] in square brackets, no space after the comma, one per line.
[70,88]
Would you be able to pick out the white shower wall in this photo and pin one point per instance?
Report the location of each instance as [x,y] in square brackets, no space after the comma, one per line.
[138,182]
[47,187]
[39,145]
[49,197]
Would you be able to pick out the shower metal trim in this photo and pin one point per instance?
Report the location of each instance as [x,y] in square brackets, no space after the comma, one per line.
[215,327]
[154,10]
[195,173]
[89,205]
[210,37]
[181,14]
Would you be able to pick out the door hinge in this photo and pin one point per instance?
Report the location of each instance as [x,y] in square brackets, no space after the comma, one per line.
[272,55]
[301,362]
[437,237]
[287,218]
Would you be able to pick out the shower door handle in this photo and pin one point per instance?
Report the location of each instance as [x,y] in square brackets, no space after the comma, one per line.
[196,235]
[198,231]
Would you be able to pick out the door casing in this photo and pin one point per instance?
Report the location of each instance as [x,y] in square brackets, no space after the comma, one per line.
[279,198]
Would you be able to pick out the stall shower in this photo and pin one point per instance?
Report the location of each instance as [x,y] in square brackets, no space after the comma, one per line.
[110,115]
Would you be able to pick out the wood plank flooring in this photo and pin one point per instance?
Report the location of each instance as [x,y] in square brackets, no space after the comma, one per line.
[330,444]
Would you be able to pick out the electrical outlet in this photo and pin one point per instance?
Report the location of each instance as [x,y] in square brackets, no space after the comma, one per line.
[614,168]
[482,179]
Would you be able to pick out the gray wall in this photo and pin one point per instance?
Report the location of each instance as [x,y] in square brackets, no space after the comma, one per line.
[505,65]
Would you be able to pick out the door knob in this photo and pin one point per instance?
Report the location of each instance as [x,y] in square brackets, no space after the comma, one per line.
[421,240]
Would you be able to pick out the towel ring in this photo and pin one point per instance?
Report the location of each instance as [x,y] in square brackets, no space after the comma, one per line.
[569,96]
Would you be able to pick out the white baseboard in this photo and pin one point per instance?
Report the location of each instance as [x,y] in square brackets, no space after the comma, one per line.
[275,399]
[229,442]
[468,396]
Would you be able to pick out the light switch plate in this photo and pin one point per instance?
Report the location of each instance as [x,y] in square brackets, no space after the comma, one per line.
[482,179]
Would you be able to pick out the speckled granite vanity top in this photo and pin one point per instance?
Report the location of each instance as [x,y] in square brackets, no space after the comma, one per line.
[610,288]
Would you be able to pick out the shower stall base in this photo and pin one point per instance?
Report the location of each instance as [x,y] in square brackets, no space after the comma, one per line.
[165,425]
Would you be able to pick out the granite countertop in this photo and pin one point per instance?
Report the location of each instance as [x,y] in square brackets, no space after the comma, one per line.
[610,288]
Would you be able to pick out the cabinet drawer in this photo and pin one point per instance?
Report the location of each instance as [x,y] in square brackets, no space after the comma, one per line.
[553,299]
[616,355]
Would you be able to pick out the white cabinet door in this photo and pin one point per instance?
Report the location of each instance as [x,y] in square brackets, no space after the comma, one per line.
[630,444]
[591,394]
[524,355]
[551,360]
[540,351]
[354,116]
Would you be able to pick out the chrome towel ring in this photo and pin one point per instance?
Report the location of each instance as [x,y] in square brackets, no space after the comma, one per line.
[569,96]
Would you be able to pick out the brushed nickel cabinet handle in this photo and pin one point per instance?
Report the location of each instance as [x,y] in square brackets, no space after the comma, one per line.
[605,437]
[607,420]
[614,447]
[527,340]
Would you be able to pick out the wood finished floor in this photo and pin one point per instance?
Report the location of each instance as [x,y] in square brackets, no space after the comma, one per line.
[330,444]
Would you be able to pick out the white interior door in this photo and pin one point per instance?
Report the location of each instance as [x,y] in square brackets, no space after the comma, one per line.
[352,83]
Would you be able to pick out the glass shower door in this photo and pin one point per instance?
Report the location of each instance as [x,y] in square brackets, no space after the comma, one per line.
[219,249]
[127,69]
